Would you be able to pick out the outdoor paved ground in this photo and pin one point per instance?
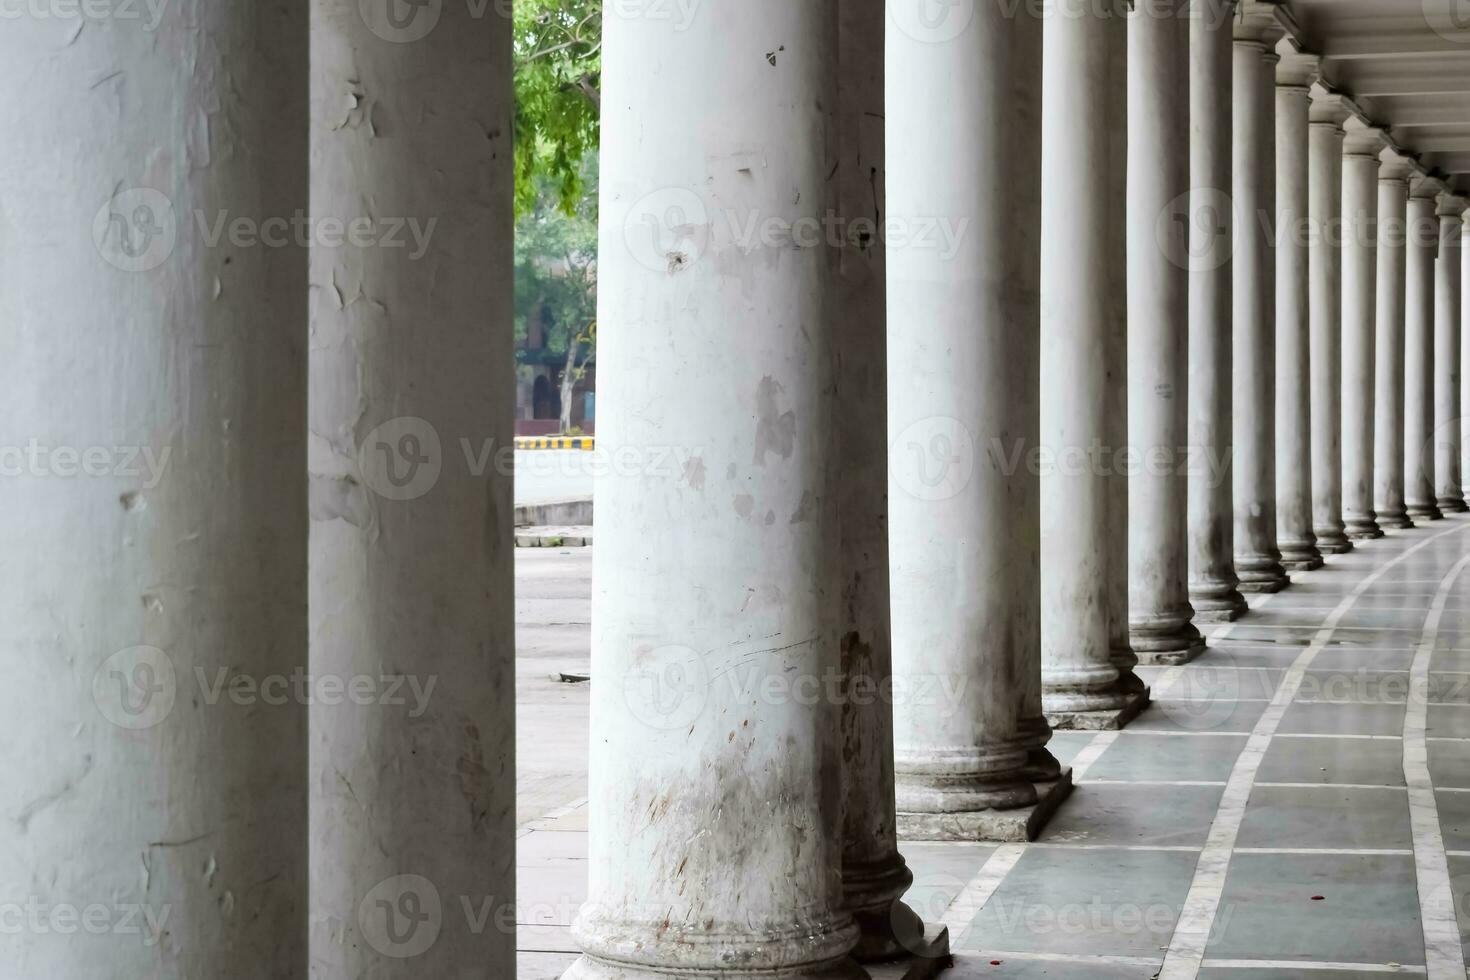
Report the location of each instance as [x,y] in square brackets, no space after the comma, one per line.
[1296,804]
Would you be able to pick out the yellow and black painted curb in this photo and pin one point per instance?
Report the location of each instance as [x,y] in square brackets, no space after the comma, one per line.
[555,442]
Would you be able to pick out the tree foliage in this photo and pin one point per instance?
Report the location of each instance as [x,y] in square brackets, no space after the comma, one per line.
[558,78]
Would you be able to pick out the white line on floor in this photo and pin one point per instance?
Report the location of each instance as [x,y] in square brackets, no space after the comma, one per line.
[1337,851]
[1003,955]
[1196,921]
[1396,789]
[1295,965]
[968,903]
[1443,956]
[1083,760]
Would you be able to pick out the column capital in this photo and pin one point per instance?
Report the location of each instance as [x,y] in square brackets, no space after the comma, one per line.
[1396,164]
[1296,69]
[1363,139]
[1330,108]
[1451,206]
[1425,186]
[1257,24]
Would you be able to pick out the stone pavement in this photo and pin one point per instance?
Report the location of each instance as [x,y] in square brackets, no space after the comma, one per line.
[1295,804]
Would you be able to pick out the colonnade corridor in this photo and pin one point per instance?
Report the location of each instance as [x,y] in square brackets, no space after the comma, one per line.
[1295,803]
[1030,532]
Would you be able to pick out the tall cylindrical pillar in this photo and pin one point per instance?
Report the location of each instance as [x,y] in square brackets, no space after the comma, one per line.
[963,391]
[1449,494]
[1257,558]
[1324,259]
[1115,423]
[716,791]
[1160,616]
[1423,246]
[1360,166]
[1294,536]
[1079,112]
[1388,400]
[1213,585]
[412,564]
[874,874]
[153,409]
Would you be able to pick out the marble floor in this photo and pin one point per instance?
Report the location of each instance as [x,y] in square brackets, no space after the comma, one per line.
[1295,804]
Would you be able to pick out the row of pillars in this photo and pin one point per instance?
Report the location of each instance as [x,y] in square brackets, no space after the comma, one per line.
[931,316]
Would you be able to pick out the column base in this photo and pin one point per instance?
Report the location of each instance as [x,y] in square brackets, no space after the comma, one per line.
[887,928]
[1425,512]
[930,958]
[1176,638]
[591,968]
[1300,556]
[1363,529]
[1016,826]
[888,935]
[1216,606]
[1106,720]
[1395,522]
[1452,505]
[1332,541]
[1171,658]
[1041,766]
[1261,575]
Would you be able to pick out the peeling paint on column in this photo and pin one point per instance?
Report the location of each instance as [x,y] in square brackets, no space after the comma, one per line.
[128,787]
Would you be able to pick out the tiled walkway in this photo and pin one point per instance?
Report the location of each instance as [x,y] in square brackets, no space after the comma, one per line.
[1296,804]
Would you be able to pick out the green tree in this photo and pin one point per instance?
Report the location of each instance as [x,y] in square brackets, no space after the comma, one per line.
[558,78]
[556,288]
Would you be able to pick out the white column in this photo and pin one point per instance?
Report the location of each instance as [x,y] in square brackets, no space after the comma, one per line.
[716,779]
[1294,536]
[1257,558]
[1423,246]
[1079,113]
[963,391]
[412,563]
[154,389]
[1213,585]
[1324,257]
[1115,298]
[1360,165]
[1464,351]
[1158,310]
[874,874]
[1449,493]
[1388,400]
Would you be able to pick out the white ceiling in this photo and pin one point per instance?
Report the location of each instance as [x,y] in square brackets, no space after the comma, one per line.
[1406,63]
